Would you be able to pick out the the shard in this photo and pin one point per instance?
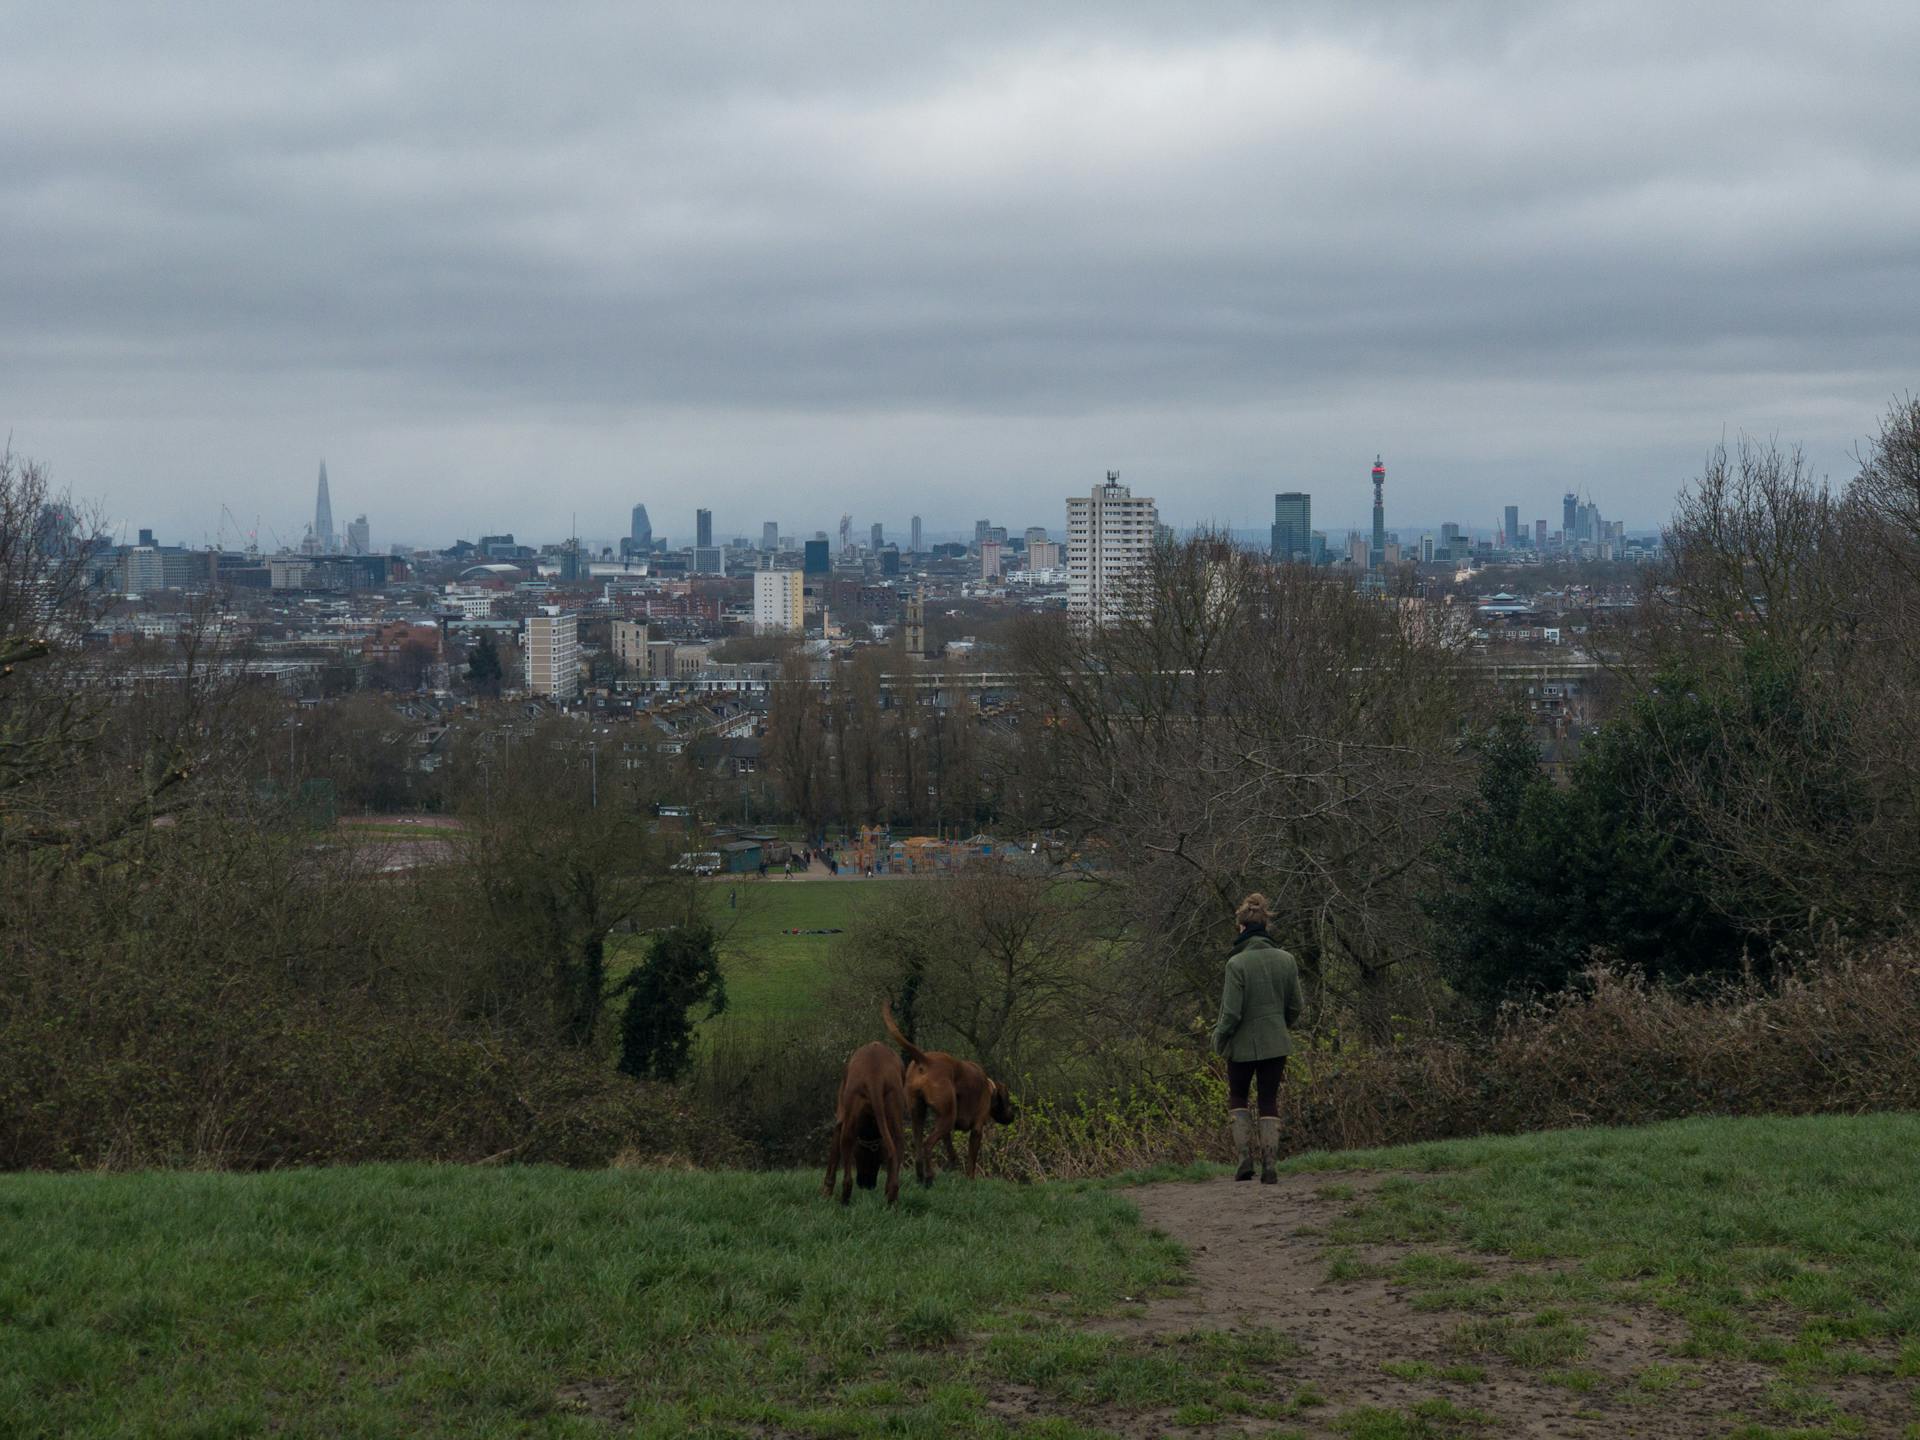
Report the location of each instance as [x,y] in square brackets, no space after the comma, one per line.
[323,515]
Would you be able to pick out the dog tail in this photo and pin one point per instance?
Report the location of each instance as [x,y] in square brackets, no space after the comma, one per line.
[914,1052]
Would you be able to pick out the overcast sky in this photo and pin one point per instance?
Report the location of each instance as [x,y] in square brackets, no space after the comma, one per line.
[499,265]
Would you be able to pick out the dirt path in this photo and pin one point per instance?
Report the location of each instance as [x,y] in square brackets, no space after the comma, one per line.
[1260,1258]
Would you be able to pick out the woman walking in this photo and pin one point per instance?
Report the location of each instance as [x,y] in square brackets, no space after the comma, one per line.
[1260,1001]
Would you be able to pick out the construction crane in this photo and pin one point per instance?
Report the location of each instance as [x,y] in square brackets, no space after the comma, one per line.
[252,536]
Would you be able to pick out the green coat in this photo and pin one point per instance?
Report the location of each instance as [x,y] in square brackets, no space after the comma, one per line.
[1261,999]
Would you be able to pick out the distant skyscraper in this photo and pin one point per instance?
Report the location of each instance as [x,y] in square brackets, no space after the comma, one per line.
[1540,535]
[989,559]
[323,514]
[703,529]
[642,535]
[878,537]
[914,544]
[359,536]
[1516,537]
[1110,535]
[980,529]
[1292,526]
[846,534]
[770,535]
[817,561]
[1570,510]
[1377,555]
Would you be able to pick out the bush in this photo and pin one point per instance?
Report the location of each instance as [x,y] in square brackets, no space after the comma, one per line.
[1833,1036]
[172,1066]
[774,1086]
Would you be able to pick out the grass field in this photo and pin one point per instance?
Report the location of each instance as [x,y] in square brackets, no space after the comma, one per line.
[398,1301]
[1791,1242]
[773,974]
[404,1301]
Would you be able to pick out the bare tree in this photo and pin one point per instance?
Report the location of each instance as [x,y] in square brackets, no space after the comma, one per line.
[998,963]
[796,746]
[1246,727]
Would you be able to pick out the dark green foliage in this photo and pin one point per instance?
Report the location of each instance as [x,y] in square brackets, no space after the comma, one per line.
[681,971]
[484,672]
[1655,852]
[1539,877]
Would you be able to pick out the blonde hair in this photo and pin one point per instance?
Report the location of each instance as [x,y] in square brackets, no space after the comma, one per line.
[1253,910]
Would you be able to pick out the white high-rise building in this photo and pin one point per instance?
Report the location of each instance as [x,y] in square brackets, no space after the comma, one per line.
[779,602]
[359,536]
[553,653]
[1110,536]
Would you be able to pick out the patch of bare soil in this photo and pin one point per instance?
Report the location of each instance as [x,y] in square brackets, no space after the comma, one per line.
[1260,1261]
[603,1400]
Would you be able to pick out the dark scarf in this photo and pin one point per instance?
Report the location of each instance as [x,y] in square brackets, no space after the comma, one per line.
[1247,933]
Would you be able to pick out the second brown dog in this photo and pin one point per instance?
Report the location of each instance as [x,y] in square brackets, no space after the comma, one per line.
[869,1122]
[957,1093]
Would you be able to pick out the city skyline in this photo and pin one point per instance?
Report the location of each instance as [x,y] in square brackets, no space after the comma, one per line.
[980,256]
[723,531]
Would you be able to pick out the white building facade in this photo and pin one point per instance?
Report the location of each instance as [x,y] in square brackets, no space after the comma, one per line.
[553,653]
[1110,535]
[779,602]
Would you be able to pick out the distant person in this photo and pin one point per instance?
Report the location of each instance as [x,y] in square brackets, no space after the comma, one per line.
[1260,1002]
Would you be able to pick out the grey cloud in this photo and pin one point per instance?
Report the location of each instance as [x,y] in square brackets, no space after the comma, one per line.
[814,258]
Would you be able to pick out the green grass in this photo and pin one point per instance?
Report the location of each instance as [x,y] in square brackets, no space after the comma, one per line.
[774,975]
[1735,1226]
[771,973]
[412,1300]
[400,1301]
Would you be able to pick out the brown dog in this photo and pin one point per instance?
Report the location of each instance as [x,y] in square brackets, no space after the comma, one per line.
[957,1093]
[869,1122]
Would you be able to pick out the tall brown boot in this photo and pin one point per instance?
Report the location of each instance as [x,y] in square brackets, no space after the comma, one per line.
[1269,1149]
[1243,1142]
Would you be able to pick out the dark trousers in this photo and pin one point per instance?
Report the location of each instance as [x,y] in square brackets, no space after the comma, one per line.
[1242,1075]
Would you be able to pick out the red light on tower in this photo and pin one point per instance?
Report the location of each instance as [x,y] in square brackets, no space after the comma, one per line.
[1379,471]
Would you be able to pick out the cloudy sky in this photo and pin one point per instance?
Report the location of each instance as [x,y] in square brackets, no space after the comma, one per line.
[500,265]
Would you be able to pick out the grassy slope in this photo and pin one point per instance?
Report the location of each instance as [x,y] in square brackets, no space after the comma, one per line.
[417,1301]
[406,1300]
[1791,1242]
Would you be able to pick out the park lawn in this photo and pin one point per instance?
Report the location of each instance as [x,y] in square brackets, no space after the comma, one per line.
[1793,1242]
[773,974]
[421,1300]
